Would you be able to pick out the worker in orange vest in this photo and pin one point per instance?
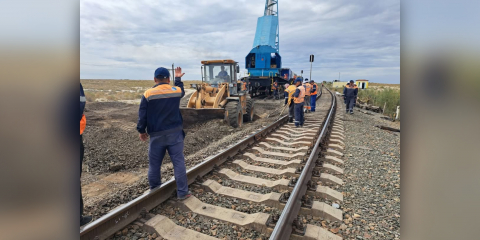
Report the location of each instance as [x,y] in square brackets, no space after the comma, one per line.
[308,92]
[275,89]
[313,96]
[83,123]
[299,100]
[289,91]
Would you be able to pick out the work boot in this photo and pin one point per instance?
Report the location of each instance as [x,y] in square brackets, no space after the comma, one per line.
[85,219]
[351,112]
[290,119]
[189,194]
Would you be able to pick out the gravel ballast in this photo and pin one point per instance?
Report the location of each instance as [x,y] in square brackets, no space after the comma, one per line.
[371,207]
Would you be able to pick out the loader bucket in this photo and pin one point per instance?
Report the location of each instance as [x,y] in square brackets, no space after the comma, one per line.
[192,115]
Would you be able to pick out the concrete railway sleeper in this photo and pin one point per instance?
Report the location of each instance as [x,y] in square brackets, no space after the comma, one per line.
[270,201]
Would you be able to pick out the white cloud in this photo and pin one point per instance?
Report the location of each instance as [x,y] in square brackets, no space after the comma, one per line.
[122,40]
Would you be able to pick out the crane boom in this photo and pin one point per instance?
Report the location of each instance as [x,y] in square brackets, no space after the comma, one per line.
[267,32]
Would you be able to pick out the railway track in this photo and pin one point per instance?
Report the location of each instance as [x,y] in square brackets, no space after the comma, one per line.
[274,184]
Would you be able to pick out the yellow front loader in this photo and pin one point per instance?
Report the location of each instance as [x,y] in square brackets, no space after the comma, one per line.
[219,95]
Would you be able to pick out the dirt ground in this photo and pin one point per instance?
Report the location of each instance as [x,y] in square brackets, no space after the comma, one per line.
[116,161]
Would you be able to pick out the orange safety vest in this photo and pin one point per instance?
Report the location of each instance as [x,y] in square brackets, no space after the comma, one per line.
[301,96]
[308,89]
[316,89]
[274,86]
[83,123]
[290,90]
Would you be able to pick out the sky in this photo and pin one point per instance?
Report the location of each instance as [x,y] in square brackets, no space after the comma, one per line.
[130,39]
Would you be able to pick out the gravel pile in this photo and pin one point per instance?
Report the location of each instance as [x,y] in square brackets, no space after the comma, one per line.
[372,179]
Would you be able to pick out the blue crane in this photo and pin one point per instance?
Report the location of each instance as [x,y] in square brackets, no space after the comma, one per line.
[263,62]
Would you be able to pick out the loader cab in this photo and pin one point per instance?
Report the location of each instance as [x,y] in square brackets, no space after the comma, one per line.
[217,72]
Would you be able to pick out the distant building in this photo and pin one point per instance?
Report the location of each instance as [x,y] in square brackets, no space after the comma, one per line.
[339,84]
[362,83]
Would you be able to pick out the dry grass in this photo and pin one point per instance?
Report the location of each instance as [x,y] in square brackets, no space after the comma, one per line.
[378,94]
[383,85]
[117,90]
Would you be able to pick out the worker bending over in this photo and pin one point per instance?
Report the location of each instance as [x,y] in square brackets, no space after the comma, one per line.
[299,99]
[313,96]
[350,93]
[308,89]
[286,93]
[159,114]
[289,91]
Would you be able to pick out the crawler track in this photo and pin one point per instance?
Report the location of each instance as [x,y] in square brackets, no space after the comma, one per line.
[271,176]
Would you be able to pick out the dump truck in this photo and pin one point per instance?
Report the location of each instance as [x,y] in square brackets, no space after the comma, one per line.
[220,95]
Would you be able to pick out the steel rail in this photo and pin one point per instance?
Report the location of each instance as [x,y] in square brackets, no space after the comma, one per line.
[121,216]
[283,227]
[127,213]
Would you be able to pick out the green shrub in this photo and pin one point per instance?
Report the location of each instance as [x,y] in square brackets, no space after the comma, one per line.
[379,97]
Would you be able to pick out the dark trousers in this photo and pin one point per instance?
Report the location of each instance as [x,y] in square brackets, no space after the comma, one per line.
[299,117]
[275,93]
[82,149]
[313,101]
[291,111]
[159,145]
[350,102]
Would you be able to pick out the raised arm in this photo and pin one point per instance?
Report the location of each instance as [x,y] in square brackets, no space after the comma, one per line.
[178,79]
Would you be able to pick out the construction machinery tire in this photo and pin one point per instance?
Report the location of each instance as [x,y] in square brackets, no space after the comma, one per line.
[233,114]
[248,117]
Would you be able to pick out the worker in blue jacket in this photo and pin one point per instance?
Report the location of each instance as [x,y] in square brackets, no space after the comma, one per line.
[159,117]
[313,95]
[350,93]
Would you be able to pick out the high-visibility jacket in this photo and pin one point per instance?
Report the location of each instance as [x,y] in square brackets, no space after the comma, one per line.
[274,86]
[350,91]
[159,111]
[314,89]
[83,124]
[290,90]
[83,119]
[299,95]
[308,89]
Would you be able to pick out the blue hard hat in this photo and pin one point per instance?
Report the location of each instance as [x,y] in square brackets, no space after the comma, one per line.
[298,80]
[161,72]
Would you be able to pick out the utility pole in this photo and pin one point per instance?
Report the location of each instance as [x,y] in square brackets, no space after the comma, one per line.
[301,73]
[339,76]
[173,74]
[311,61]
